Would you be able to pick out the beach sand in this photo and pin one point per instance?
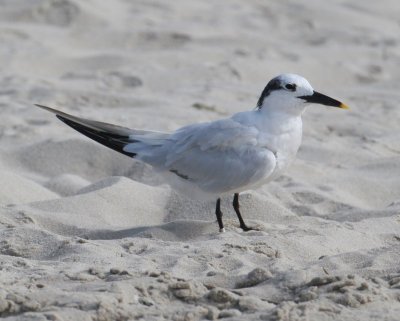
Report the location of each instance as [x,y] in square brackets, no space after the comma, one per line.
[89,234]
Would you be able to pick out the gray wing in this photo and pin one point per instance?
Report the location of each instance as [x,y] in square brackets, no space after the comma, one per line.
[220,156]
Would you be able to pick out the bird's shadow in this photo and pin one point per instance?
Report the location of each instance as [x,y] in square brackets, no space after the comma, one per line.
[114,234]
[179,230]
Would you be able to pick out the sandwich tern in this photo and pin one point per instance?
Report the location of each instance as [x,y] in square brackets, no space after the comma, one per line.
[226,156]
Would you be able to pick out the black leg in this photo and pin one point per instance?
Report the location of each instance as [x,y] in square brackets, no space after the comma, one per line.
[219,215]
[236,206]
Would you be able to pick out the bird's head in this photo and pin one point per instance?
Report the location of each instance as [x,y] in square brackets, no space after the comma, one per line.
[290,93]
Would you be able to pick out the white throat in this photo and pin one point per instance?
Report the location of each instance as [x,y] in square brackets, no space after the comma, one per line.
[278,103]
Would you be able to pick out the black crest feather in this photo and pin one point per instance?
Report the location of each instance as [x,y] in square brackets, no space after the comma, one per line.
[274,84]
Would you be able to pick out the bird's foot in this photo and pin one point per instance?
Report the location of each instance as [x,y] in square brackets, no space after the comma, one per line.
[245,228]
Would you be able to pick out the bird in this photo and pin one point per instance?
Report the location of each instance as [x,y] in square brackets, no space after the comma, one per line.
[222,157]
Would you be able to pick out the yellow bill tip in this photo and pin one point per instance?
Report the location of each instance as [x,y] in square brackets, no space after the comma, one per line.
[344,106]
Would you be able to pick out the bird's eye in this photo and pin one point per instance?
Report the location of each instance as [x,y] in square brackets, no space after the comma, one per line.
[291,87]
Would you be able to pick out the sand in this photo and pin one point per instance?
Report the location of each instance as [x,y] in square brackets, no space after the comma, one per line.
[88,234]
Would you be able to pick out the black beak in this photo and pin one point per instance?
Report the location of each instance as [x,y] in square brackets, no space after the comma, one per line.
[318,98]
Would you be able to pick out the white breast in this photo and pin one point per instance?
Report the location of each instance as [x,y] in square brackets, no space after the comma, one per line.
[282,136]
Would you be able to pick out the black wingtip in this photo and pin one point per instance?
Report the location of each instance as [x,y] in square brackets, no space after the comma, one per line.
[40,106]
[102,133]
[112,141]
[52,110]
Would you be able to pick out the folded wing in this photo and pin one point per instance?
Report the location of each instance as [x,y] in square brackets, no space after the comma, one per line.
[218,156]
